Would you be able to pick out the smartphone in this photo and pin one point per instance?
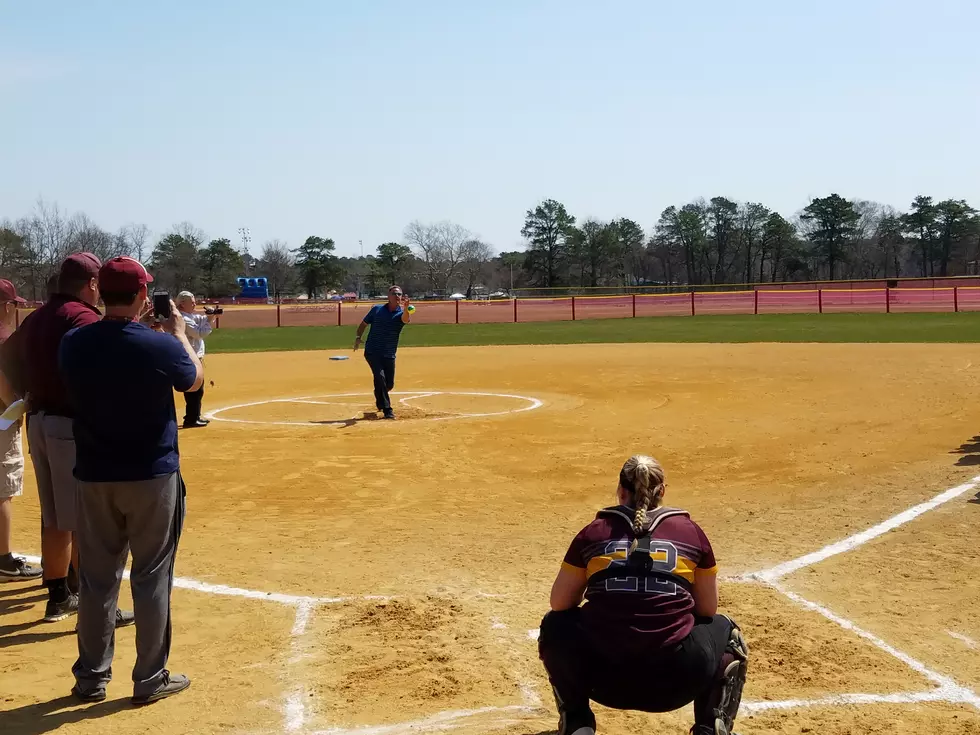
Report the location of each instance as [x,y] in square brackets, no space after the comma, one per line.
[161,305]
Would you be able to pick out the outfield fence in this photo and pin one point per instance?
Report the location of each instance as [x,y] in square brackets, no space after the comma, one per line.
[573,308]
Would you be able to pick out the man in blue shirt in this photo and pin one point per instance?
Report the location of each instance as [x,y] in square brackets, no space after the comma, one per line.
[121,376]
[387,322]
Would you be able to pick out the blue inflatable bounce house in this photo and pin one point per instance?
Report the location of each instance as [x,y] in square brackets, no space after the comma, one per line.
[253,288]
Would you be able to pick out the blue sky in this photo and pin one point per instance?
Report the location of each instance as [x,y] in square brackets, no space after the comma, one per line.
[349,120]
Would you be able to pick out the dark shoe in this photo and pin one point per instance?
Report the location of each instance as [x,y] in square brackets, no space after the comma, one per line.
[389,414]
[197,424]
[18,569]
[94,695]
[56,611]
[124,618]
[172,684]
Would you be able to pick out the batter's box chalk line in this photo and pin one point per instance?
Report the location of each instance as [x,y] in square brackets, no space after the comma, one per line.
[525,403]
[295,714]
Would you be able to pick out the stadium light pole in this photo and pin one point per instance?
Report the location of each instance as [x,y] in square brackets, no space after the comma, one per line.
[246,239]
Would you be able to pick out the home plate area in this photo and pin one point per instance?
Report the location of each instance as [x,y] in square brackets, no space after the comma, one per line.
[380,666]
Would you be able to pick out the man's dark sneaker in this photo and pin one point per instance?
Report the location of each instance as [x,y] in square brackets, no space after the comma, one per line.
[389,414]
[56,611]
[124,618]
[16,569]
[92,695]
[172,684]
[197,424]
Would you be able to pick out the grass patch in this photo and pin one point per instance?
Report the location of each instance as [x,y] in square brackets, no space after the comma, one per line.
[963,327]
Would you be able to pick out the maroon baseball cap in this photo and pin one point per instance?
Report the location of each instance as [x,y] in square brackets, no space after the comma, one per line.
[80,267]
[123,275]
[8,293]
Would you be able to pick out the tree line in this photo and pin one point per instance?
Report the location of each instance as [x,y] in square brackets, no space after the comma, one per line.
[713,241]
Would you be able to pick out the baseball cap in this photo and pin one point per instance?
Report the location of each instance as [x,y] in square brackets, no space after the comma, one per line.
[80,267]
[8,293]
[123,275]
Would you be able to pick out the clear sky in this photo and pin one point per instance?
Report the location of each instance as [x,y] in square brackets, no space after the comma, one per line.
[350,119]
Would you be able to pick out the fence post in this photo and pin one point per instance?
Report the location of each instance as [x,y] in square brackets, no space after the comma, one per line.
[515,310]
[820,301]
[340,306]
[692,302]
[956,299]
[756,311]
[457,311]
[634,306]
[573,308]
[888,300]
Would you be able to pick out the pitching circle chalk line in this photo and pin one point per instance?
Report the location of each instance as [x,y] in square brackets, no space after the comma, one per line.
[532,404]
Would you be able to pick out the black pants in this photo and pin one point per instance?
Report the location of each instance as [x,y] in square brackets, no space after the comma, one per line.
[383,369]
[193,403]
[659,681]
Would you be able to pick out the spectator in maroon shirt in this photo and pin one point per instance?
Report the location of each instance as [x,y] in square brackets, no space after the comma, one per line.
[648,637]
[29,360]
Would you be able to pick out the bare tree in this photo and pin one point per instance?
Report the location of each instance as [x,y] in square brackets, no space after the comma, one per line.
[135,237]
[277,263]
[441,247]
[477,256]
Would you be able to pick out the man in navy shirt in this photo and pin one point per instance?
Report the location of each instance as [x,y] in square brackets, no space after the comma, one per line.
[121,376]
[387,322]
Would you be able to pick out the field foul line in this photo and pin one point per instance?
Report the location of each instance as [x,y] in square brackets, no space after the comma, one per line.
[852,542]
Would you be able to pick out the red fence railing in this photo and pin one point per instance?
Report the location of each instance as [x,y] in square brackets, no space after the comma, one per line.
[573,308]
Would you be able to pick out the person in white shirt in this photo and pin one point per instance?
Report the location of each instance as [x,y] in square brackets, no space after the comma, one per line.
[198,327]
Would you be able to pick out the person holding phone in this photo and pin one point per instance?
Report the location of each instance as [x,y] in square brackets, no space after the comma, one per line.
[121,376]
[386,322]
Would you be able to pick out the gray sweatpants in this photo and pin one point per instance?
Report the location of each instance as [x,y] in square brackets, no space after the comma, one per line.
[115,518]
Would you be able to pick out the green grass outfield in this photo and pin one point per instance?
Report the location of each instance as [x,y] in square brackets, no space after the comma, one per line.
[963,327]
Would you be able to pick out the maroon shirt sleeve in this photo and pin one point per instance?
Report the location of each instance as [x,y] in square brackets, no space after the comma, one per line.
[707,562]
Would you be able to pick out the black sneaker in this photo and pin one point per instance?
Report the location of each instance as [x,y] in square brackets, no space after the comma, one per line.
[124,618]
[172,684]
[196,424]
[18,569]
[56,611]
[389,414]
[93,695]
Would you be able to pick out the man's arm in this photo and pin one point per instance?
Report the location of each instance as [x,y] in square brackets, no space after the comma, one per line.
[406,314]
[7,393]
[360,331]
[177,326]
[204,325]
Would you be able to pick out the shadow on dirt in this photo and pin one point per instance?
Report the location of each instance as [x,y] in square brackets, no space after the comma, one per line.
[970,453]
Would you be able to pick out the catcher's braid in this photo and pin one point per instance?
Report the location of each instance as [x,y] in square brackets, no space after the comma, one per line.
[644,477]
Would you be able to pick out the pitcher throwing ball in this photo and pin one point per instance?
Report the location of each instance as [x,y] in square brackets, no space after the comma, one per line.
[649,637]
[387,322]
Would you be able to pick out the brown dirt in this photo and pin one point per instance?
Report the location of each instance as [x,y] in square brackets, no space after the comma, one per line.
[775,449]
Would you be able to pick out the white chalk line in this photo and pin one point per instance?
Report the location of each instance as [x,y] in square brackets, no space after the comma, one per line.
[852,542]
[295,707]
[433,723]
[970,643]
[533,403]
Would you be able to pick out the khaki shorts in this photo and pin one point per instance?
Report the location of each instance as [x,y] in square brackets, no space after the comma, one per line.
[12,454]
[52,447]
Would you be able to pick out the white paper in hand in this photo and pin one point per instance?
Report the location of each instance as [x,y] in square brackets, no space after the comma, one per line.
[13,413]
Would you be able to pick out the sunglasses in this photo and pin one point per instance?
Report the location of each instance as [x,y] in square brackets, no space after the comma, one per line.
[396,293]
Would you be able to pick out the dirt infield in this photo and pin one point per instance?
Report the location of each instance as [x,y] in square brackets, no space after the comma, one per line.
[344,575]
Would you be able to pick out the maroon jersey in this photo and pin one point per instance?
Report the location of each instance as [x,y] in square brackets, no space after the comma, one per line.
[650,610]
[29,358]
